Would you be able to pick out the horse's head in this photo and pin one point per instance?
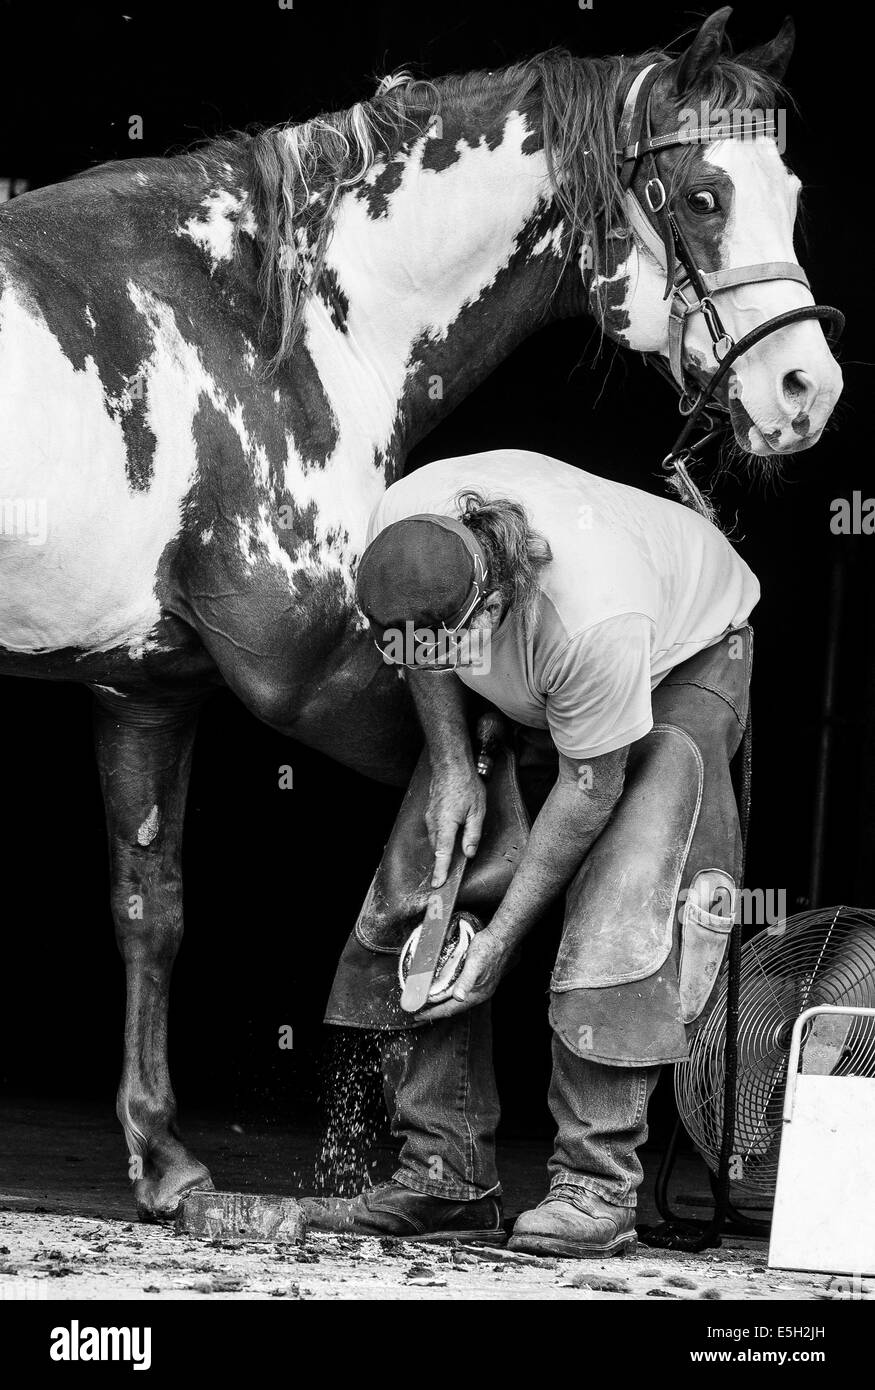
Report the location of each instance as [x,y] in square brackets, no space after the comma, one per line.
[722,205]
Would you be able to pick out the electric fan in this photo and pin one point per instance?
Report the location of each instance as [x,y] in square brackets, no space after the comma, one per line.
[821,957]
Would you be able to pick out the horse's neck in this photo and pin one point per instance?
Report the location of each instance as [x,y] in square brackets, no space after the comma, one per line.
[442,262]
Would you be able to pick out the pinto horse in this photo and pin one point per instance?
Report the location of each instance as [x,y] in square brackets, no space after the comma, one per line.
[212,364]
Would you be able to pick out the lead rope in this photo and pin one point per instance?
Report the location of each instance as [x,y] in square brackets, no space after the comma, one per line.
[679,481]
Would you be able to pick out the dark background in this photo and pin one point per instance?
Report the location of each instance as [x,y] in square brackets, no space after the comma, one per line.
[274,878]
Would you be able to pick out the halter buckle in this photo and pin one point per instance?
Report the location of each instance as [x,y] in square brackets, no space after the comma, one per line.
[659,191]
[719,336]
[723,345]
[670,460]
[686,404]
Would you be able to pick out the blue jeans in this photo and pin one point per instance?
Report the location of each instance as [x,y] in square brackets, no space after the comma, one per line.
[441,1094]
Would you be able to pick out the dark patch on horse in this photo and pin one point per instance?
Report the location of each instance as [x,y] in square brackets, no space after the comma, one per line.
[469,130]
[297,525]
[333,297]
[223,474]
[610,292]
[533,142]
[742,422]
[377,193]
[705,234]
[386,460]
[140,444]
[175,657]
[442,151]
[223,498]
[484,125]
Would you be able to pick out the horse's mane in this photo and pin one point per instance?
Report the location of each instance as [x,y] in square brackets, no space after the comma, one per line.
[298,172]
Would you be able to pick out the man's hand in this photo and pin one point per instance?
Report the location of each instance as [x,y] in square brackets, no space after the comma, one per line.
[457,798]
[486,960]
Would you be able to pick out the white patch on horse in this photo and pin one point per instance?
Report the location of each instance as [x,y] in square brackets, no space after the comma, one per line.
[244,541]
[149,829]
[551,241]
[91,586]
[759,229]
[763,186]
[214,233]
[444,239]
[90,319]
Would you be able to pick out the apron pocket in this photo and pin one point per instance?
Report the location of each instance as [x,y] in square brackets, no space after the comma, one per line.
[704,937]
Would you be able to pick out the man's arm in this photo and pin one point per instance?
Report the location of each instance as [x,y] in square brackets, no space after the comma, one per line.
[571,820]
[457,796]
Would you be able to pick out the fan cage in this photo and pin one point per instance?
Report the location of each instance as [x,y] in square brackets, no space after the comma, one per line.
[821,957]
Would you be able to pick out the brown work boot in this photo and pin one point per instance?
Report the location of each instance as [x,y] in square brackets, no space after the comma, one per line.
[397,1213]
[571,1221]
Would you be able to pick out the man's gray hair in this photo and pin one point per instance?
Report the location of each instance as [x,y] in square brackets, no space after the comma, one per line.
[515,552]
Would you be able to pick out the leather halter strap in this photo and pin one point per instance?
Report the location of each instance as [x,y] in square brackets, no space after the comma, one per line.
[688,299]
[635,142]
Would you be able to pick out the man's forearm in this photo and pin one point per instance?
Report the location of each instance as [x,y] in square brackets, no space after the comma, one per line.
[440,705]
[564,832]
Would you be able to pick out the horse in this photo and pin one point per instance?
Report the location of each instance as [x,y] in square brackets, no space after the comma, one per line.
[213,363]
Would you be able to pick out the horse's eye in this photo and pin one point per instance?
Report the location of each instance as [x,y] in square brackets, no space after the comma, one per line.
[701,200]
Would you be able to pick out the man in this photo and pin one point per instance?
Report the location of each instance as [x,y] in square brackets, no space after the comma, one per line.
[611,627]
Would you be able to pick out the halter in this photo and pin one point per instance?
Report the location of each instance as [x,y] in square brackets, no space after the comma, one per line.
[692,290]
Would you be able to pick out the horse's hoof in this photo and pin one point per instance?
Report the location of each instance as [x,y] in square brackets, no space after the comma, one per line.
[160,1199]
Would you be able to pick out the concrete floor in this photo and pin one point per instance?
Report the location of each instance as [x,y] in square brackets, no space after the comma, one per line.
[67,1229]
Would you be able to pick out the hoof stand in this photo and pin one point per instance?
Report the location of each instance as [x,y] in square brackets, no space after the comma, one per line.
[242,1216]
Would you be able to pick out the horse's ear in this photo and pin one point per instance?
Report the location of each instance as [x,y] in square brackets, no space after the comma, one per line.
[773,58]
[703,52]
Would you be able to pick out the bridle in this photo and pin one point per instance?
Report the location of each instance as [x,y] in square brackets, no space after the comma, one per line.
[692,290]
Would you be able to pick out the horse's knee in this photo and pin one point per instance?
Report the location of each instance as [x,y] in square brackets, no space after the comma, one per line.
[146,901]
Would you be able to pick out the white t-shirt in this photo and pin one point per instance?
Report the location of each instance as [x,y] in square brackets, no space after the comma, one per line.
[637,585]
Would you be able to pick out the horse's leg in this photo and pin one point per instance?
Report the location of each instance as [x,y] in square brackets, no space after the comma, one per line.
[144,754]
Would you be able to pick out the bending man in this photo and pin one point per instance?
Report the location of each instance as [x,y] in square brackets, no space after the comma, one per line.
[611,627]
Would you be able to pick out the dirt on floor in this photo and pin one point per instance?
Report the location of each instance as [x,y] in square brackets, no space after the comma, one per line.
[67,1231]
[73,1257]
